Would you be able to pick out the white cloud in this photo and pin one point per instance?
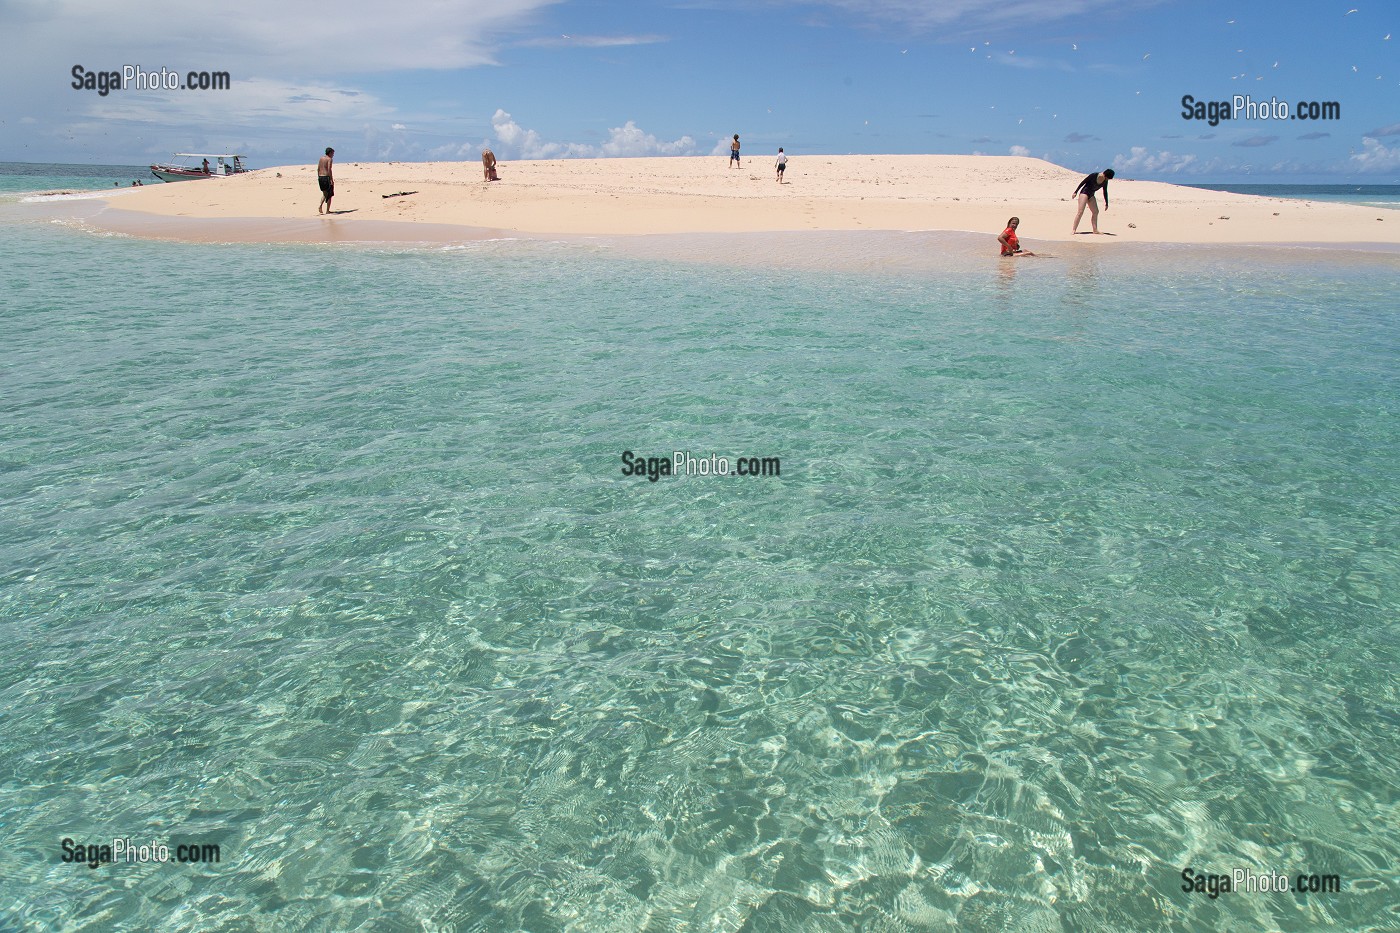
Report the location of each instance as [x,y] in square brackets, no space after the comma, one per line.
[628,140]
[1021,151]
[953,18]
[594,42]
[286,64]
[260,36]
[515,141]
[267,104]
[1376,156]
[1143,161]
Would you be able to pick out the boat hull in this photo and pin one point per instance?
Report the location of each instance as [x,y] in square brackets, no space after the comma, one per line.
[165,173]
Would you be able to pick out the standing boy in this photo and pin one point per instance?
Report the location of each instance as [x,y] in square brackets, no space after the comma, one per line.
[326,180]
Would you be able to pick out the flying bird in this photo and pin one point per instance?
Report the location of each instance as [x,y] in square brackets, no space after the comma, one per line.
[1275,64]
[1349,12]
[1075,46]
[1229,22]
[1147,56]
[1387,37]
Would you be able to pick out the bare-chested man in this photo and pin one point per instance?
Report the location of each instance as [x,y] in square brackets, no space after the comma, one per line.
[326,180]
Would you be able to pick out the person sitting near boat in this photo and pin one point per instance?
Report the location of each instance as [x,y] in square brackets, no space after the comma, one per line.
[206,166]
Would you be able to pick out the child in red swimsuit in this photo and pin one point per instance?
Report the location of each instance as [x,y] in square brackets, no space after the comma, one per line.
[1010,246]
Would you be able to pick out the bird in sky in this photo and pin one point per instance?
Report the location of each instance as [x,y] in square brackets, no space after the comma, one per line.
[1349,12]
[1147,56]
[1075,46]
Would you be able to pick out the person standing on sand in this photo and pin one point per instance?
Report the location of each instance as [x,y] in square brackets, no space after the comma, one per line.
[734,153]
[488,164]
[1092,183]
[782,164]
[326,180]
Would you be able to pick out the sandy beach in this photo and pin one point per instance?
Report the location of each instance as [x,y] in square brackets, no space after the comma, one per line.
[428,200]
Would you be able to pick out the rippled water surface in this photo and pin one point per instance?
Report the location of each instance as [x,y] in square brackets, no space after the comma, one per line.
[1077,574]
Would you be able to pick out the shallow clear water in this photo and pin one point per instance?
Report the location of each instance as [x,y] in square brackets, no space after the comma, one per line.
[17,177]
[1077,574]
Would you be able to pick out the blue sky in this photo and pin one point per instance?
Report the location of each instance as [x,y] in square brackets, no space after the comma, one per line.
[1083,83]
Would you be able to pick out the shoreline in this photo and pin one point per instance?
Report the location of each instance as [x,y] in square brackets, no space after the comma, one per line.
[697,195]
[901,254]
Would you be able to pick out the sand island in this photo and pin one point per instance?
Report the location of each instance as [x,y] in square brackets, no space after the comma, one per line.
[627,196]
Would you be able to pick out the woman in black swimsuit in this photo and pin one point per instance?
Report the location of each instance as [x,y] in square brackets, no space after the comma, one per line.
[1092,183]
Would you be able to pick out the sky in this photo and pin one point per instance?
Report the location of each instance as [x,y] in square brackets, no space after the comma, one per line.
[1086,84]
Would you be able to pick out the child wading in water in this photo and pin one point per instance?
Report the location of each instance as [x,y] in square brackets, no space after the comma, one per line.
[1010,246]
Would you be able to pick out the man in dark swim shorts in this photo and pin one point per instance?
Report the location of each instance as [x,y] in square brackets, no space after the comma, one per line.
[326,179]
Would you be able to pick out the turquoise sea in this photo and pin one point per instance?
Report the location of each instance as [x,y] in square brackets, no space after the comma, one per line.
[29,177]
[1385,196]
[1080,577]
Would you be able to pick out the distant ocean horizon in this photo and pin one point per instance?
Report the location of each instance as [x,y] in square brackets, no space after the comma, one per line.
[1386,196]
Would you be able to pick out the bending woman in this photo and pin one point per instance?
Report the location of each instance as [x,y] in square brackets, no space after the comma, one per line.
[1091,184]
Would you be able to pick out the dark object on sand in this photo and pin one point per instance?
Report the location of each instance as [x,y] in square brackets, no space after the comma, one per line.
[398,194]
[492,175]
